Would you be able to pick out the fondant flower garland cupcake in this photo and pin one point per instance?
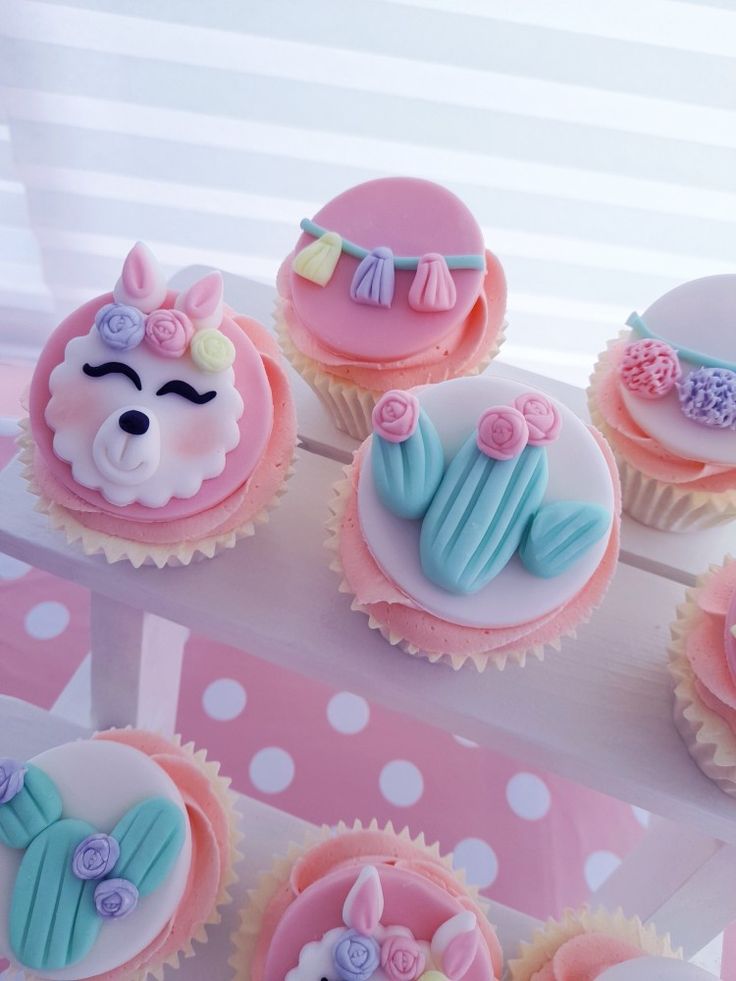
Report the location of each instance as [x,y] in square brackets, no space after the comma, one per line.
[365,904]
[389,286]
[161,425]
[116,853]
[664,395]
[479,522]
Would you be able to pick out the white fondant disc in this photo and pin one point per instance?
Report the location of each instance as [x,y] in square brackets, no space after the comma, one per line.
[98,782]
[577,472]
[655,969]
[699,315]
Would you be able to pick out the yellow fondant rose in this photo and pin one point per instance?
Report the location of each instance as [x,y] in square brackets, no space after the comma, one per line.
[211,350]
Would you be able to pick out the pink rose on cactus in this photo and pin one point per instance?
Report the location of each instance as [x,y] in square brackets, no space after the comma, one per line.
[502,432]
[542,417]
[649,368]
[395,416]
[401,957]
[168,332]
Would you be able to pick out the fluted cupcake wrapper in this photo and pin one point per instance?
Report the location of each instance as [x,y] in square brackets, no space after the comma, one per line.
[533,955]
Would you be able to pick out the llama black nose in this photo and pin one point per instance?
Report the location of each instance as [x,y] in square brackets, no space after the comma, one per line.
[133,422]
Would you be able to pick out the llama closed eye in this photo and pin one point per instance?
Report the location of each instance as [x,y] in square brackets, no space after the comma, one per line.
[113,368]
[186,391]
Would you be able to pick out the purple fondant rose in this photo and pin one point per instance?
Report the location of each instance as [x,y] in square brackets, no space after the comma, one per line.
[121,327]
[95,857]
[115,898]
[542,418]
[401,958]
[395,416]
[502,432]
[168,332]
[12,777]
[356,957]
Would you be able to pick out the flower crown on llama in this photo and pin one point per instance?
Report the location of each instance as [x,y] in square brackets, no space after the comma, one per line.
[365,949]
[650,368]
[72,878]
[191,325]
[431,291]
[487,503]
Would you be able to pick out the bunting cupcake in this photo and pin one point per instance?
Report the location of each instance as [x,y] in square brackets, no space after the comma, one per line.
[116,854]
[479,522]
[365,904]
[664,395]
[389,286]
[161,427]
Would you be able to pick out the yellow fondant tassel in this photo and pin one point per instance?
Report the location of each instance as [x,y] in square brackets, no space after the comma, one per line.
[317,261]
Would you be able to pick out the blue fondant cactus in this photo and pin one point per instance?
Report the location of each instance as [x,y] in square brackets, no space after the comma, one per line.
[559,534]
[34,807]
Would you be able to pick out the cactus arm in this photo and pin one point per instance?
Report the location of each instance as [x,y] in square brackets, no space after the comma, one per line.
[560,534]
[407,474]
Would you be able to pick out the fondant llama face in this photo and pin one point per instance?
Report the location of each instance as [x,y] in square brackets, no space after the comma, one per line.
[144,407]
[366,950]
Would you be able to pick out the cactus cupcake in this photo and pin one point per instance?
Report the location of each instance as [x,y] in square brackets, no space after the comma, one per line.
[389,286]
[664,395]
[115,854]
[479,522]
[161,425]
[366,904]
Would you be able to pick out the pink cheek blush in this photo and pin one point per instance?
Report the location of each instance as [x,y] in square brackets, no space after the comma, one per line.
[193,440]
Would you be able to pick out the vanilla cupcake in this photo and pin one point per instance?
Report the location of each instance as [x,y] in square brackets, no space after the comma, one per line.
[161,427]
[116,853]
[389,286]
[664,395]
[479,522]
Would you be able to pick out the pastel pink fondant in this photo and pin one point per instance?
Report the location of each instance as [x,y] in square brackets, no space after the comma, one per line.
[142,283]
[455,944]
[363,907]
[203,301]
[502,432]
[433,288]
[586,957]
[168,332]
[706,643]
[395,416]
[729,640]
[542,418]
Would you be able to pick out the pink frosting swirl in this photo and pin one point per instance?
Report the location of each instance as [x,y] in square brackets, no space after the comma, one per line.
[395,416]
[649,368]
[401,958]
[502,432]
[542,417]
[168,332]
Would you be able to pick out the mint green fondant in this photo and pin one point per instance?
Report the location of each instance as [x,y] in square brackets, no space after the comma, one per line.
[53,922]
[151,836]
[479,514]
[561,533]
[36,807]
[406,475]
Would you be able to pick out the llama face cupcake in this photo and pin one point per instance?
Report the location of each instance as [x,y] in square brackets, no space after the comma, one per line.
[115,853]
[664,394]
[162,426]
[479,522]
[366,905]
[389,286]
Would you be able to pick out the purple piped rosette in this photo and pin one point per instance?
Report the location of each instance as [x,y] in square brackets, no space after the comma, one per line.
[12,778]
[708,396]
[356,957]
[115,898]
[95,857]
[120,326]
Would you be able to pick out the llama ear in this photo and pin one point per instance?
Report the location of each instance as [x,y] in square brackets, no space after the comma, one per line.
[203,301]
[363,907]
[142,283]
[455,945]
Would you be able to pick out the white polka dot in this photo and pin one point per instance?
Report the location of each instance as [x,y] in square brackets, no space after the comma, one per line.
[47,620]
[401,783]
[528,796]
[11,568]
[598,867]
[467,743]
[642,816]
[479,861]
[9,426]
[224,699]
[348,713]
[271,770]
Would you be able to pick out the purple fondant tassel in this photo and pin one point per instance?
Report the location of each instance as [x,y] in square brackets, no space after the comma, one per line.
[373,282]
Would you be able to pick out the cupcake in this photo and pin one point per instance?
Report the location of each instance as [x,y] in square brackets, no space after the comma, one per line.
[703,665]
[161,427]
[600,946]
[389,286]
[479,522]
[664,395]
[116,852]
[365,905]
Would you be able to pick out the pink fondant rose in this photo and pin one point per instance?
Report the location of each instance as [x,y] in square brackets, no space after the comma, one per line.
[401,958]
[502,432]
[649,368]
[542,417]
[395,416]
[168,332]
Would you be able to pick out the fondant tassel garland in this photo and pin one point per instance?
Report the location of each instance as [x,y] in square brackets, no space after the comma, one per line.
[433,288]
[316,262]
[373,282]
